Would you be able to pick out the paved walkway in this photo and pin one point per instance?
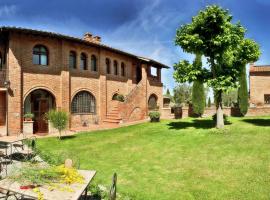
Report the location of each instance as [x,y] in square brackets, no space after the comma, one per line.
[73,132]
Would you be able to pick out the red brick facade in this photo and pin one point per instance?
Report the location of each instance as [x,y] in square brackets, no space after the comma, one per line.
[259,80]
[63,83]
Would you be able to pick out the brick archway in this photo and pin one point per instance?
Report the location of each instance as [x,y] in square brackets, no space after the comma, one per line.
[39,102]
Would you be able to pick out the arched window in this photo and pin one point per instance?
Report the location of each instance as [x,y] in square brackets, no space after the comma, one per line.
[40,55]
[72,60]
[108,65]
[83,102]
[1,61]
[115,67]
[93,63]
[152,102]
[123,69]
[83,63]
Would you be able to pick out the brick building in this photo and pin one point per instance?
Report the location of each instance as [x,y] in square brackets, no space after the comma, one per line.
[41,70]
[259,84]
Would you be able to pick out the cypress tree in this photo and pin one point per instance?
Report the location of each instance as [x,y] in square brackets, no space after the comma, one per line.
[198,94]
[168,92]
[243,93]
[209,102]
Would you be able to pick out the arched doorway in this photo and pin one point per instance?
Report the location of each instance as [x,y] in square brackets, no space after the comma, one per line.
[39,102]
[152,102]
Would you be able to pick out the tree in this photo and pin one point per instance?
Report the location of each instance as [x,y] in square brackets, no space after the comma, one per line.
[229,98]
[209,102]
[198,91]
[59,120]
[168,92]
[213,35]
[182,94]
[243,93]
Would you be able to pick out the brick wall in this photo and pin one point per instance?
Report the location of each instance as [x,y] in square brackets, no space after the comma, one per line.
[2,108]
[259,85]
[64,83]
[186,112]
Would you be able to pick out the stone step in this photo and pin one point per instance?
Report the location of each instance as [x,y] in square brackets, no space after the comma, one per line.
[113,121]
[113,117]
[115,109]
[113,113]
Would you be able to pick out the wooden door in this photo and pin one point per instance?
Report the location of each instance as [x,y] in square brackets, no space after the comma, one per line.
[42,123]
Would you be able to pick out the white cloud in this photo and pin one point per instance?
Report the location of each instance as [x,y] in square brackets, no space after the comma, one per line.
[7,10]
[150,34]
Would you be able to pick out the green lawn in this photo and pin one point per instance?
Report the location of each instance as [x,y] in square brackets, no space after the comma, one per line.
[184,159]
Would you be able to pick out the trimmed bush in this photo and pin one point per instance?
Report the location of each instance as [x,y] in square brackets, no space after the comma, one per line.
[154,116]
[119,97]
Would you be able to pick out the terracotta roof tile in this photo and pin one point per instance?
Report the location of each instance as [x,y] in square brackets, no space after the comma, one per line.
[260,68]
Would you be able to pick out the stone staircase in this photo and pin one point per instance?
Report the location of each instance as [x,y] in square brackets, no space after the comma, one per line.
[113,116]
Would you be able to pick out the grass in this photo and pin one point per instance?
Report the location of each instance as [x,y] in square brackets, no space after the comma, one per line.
[184,159]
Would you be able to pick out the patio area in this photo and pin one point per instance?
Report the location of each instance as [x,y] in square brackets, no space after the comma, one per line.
[19,162]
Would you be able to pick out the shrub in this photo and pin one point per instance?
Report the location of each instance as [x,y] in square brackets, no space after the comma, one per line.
[29,115]
[59,120]
[118,97]
[225,117]
[154,116]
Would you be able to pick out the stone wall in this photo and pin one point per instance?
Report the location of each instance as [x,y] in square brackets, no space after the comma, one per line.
[186,112]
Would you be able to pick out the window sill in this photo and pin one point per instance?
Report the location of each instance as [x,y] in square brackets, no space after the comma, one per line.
[83,113]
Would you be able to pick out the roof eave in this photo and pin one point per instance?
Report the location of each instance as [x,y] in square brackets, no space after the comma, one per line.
[79,40]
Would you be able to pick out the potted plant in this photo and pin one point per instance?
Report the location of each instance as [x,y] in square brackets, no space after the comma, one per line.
[154,116]
[59,120]
[28,116]
[120,98]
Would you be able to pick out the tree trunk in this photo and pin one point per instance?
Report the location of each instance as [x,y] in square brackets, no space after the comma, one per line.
[59,135]
[220,119]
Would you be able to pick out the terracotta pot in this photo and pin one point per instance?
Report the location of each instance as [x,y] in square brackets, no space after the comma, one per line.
[28,119]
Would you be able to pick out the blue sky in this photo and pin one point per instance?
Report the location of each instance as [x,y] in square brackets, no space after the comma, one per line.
[143,27]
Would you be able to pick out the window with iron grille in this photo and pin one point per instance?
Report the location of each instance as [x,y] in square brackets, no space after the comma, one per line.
[40,55]
[72,60]
[83,63]
[115,67]
[108,65]
[83,102]
[267,98]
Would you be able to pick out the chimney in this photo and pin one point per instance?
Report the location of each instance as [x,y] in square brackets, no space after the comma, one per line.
[89,38]
[97,39]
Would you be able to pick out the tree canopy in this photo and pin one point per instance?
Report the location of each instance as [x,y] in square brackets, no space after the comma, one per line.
[213,35]
[182,94]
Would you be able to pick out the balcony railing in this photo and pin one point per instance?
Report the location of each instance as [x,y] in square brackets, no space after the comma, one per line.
[2,77]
